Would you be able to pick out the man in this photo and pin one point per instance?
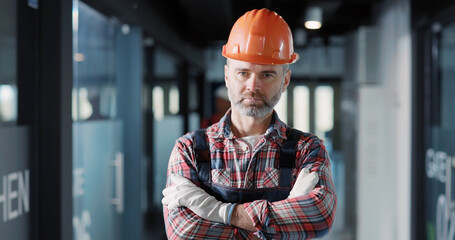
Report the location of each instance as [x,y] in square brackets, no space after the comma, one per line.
[248,176]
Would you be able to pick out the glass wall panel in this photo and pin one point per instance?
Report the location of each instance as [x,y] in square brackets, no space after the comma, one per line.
[94,65]
[18,198]
[8,56]
[98,152]
[440,147]
[168,121]
[448,78]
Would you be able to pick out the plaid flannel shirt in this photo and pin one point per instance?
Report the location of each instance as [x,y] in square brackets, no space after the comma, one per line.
[304,217]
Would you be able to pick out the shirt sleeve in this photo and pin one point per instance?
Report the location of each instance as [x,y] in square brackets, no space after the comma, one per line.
[305,217]
[182,223]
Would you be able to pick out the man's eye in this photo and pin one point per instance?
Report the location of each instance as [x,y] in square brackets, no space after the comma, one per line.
[268,76]
[243,74]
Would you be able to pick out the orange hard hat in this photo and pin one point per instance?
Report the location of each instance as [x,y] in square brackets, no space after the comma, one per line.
[261,36]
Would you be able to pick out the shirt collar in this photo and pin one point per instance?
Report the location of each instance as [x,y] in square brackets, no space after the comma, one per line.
[276,130]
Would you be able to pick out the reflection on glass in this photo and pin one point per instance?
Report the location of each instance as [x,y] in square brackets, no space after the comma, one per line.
[440,151]
[8,103]
[85,110]
[174,100]
[158,103]
[302,108]
[324,110]
[281,107]
[8,55]
[94,94]
[447,77]
[97,132]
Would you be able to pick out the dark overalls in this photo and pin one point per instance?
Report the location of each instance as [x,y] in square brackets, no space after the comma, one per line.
[242,195]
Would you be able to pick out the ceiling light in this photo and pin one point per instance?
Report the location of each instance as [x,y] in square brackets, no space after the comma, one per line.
[313,18]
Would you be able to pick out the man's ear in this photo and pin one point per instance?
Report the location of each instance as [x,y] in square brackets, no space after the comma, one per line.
[226,75]
[287,79]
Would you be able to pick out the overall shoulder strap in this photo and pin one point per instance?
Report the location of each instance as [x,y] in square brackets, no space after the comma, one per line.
[201,146]
[202,154]
[287,156]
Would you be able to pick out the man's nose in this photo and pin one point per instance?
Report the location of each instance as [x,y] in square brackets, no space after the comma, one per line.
[253,83]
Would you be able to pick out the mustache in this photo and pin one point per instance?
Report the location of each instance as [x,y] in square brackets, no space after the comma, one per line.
[254,95]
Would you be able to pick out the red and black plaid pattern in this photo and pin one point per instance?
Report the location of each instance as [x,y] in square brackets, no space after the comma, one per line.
[239,166]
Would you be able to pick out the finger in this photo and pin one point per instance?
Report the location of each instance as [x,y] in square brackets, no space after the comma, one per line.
[166,200]
[174,204]
[170,190]
[172,201]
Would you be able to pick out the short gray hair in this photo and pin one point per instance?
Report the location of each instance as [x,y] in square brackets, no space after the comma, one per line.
[285,68]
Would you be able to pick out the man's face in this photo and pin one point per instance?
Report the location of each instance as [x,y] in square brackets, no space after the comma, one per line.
[255,89]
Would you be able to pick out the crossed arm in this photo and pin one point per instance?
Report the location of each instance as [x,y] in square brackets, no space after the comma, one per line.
[307,214]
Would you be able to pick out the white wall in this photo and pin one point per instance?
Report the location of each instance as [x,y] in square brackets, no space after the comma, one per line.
[384,132]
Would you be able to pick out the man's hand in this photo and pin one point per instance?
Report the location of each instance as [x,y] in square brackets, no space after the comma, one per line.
[185,193]
[304,184]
